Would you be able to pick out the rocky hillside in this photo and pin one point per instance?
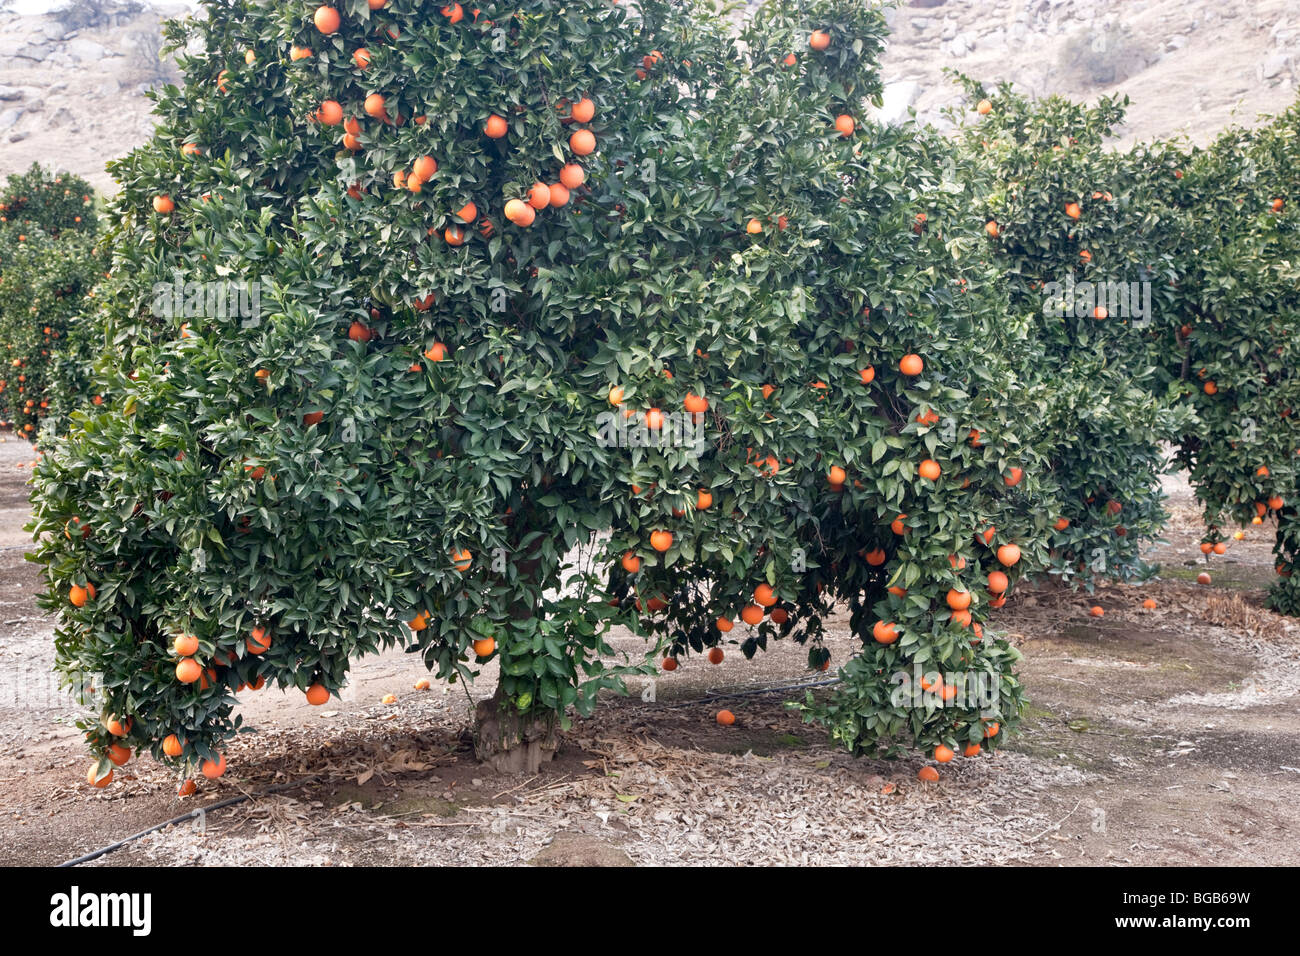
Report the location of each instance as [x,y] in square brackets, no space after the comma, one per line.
[72,83]
[1190,67]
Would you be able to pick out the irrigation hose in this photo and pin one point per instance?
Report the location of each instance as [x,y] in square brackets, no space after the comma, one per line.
[192,815]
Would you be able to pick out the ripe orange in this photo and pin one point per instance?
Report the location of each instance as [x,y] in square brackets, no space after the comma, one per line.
[461,559]
[163,205]
[375,105]
[943,754]
[584,111]
[984,108]
[928,774]
[437,352]
[845,124]
[837,475]
[188,670]
[670,664]
[1276,502]
[1013,477]
[911,365]
[102,782]
[361,58]
[317,695]
[885,633]
[186,645]
[520,213]
[559,194]
[998,582]
[819,40]
[654,419]
[753,227]
[616,395]
[424,168]
[958,600]
[187,789]
[930,469]
[212,769]
[454,235]
[1061,524]
[1211,388]
[661,541]
[991,227]
[496,126]
[764,595]
[467,212]
[723,624]
[752,615]
[572,176]
[1008,554]
[1149,604]
[695,404]
[704,500]
[779,616]
[631,563]
[715,655]
[1220,548]
[259,641]
[172,745]
[1203,578]
[582,142]
[1096,611]
[1072,210]
[484,646]
[726,718]
[453,12]
[326,20]
[867,374]
[876,557]
[539,196]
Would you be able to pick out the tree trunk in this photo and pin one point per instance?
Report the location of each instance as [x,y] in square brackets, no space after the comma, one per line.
[504,739]
[510,742]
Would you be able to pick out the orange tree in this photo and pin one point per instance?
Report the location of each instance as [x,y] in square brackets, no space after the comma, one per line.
[622,320]
[1230,345]
[1081,233]
[49,260]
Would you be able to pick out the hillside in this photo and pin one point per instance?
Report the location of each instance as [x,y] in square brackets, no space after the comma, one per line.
[72,84]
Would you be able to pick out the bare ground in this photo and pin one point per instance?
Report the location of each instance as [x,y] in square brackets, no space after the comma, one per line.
[1153,737]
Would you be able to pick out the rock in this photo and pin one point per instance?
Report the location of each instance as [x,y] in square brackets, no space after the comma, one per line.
[10,93]
[56,87]
[1274,65]
[17,137]
[82,50]
[920,24]
[9,117]
[109,87]
[63,117]
[35,51]
[962,44]
[949,29]
[52,29]
[1176,43]
[895,101]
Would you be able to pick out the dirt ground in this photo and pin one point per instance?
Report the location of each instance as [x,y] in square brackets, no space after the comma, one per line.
[1153,737]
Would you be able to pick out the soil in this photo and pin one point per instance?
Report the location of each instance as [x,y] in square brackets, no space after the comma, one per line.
[1166,737]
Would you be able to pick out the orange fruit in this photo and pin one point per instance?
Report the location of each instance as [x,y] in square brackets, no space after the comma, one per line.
[726,718]
[361,58]
[984,108]
[998,582]
[845,124]
[212,769]
[752,615]
[437,352]
[1008,554]
[837,475]
[779,615]
[928,774]
[572,176]
[1220,548]
[539,196]
[1276,502]
[496,126]
[317,695]
[1149,604]
[661,541]
[715,655]
[163,204]
[582,142]
[559,194]
[958,600]
[584,111]
[631,563]
[117,727]
[1203,578]
[930,469]
[972,750]
[943,754]
[764,595]
[885,633]
[326,20]
[1097,611]
[991,227]
[704,500]
[424,167]
[520,213]
[461,559]
[1061,524]
[616,395]
[188,671]
[819,40]
[187,789]
[1072,210]
[723,624]
[186,645]
[911,365]
[753,227]
[991,730]
[375,105]
[102,782]
[172,746]
[1211,388]
[259,642]
[695,404]
[876,557]
[867,374]
[1013,477]
[484,646]
[453,12]
[654,419]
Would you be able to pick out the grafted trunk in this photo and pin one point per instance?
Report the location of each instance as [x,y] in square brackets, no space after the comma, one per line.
[504,739]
